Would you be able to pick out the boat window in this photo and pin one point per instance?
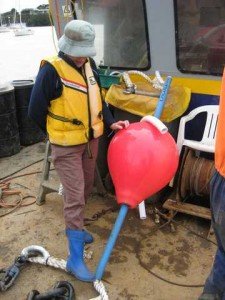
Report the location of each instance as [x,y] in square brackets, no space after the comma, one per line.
[200,36]
[121,32]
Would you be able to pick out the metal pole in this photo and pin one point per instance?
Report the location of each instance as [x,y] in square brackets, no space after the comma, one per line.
[162,97]
[111,242]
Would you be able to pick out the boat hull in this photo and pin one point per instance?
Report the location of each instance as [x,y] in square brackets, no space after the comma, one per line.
[23,31]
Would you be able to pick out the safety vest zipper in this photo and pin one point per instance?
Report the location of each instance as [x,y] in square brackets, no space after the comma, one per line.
[90,131]
[88,104]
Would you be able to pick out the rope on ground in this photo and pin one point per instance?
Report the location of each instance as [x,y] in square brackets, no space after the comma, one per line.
[38,254]
[1,178]
[5,191]
[100,288]
[22,175]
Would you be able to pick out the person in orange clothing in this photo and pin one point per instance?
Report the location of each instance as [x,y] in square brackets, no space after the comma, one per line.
[214,288]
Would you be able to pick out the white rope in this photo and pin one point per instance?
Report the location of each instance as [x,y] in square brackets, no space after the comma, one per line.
[115,73]
[159,78]
[47,260]
[51,261]
[127,80]
[60,190]
[88,254]
[157,82]
[100,288]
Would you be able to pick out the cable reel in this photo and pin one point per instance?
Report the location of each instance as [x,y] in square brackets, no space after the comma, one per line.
[195,174]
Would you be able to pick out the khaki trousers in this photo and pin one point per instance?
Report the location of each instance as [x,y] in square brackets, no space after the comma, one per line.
[76,172]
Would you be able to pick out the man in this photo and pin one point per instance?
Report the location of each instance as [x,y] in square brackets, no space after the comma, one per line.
[66,100]
[214,288]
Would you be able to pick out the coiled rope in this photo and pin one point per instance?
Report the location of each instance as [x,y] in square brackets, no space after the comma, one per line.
[7,190]
[157,82]
[39,255]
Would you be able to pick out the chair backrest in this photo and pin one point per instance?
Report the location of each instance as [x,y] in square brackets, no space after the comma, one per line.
[208,138]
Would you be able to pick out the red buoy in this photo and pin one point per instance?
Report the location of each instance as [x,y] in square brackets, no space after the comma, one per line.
[142,161]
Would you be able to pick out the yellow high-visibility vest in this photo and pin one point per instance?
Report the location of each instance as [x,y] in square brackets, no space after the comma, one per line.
[78,110]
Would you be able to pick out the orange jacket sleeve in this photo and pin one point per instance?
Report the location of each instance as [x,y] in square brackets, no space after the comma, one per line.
[220,136]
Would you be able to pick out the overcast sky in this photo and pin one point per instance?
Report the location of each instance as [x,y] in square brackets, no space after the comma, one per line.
[7,5]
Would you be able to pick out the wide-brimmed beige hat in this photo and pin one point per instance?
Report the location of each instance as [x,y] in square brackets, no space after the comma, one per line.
[78,39]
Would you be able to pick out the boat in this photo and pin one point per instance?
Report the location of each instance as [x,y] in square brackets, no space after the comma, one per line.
[15,25]
[23,31]
[22,28]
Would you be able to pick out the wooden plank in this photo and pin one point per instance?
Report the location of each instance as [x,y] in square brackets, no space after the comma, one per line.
[188,208]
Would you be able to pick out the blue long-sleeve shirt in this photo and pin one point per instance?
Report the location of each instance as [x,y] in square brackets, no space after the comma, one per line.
[48,86]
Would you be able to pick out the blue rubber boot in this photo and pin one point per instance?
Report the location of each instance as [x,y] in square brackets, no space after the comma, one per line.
[88,238]
[75,262]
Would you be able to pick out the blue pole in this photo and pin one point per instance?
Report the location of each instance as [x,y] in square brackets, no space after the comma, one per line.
[124,208]
[162,97]
[111,242]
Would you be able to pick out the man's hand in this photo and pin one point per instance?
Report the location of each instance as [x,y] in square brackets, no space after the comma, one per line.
[120,125]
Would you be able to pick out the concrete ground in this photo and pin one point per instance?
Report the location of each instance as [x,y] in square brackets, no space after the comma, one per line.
[174,254]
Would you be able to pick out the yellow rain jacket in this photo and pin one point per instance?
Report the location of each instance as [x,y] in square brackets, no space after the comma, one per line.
[78,111]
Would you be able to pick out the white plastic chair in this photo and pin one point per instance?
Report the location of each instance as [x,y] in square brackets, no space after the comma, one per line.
[207,143]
